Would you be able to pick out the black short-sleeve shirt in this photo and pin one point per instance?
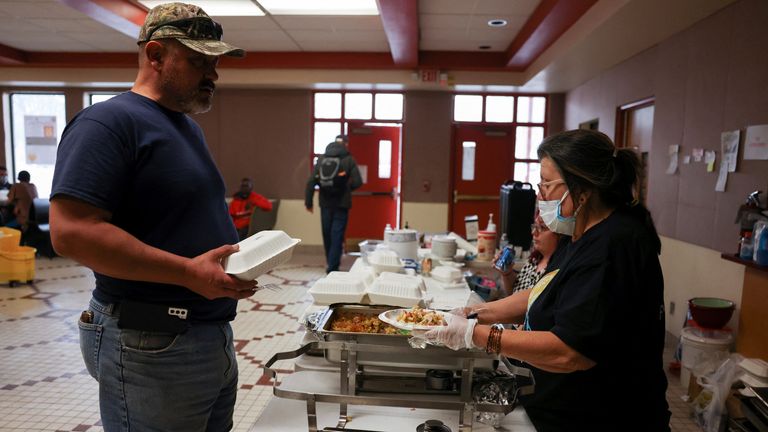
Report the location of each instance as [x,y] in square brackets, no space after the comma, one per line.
[605,300]
[150,167]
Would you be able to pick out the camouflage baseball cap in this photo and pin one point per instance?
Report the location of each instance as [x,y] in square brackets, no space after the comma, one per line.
[189,25]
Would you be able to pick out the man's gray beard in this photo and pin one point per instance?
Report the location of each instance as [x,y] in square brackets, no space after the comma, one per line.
[189,103]
[194,106]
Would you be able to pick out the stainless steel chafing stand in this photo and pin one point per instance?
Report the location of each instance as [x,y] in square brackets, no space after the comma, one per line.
[350,370]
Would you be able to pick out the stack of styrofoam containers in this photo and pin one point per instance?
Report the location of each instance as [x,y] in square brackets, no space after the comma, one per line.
[446,274]
[339,287]
[755,372]
[385,261]
[397,290]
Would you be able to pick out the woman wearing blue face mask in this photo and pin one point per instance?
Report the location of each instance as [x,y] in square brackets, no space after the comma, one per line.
[596,318]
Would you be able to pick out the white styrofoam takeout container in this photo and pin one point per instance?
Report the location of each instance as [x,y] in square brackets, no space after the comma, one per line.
[259,254]
[397,290]
[385,261]
[338,289]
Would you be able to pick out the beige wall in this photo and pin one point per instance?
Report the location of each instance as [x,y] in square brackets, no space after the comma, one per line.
[693,271]
[707,79]
[426,217]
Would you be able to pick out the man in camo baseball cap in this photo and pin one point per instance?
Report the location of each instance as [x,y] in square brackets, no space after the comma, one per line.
[189,25]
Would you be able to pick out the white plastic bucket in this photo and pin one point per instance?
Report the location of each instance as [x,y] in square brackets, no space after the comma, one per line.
[700,346]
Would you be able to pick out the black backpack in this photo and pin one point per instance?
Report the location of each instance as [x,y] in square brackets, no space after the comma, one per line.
[328,176]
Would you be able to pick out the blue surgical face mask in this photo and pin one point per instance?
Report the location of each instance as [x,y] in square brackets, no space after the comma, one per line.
[551,213]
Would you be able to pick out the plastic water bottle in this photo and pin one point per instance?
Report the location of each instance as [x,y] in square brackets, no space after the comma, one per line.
[387,230]
[504,241]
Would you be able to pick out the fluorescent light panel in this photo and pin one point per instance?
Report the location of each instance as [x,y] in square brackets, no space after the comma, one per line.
[320,7]
[217,7]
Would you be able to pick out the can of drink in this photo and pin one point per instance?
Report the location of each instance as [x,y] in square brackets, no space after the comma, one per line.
[506,258]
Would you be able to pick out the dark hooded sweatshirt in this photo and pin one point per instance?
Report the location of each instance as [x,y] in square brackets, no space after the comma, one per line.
[348,166]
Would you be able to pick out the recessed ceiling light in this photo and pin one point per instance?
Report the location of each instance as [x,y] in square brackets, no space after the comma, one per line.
[484,47]
[497,22]
[324,7]
[217,7]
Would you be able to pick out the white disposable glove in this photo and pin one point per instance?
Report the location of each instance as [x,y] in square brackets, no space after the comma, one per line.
[456,335]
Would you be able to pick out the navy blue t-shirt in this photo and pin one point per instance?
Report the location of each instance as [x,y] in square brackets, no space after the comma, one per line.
[150,167]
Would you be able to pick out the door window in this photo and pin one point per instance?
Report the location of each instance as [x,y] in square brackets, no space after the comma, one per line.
[525,113]
[37,121]
[468,160]
[332,110]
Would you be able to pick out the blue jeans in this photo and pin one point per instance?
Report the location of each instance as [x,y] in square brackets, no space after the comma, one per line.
[151,381]
[334,221]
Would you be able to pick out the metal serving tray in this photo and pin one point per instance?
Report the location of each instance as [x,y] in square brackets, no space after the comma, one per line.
[413,358]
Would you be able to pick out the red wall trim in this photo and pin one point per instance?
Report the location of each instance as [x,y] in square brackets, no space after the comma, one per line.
[12,56]
[548,22]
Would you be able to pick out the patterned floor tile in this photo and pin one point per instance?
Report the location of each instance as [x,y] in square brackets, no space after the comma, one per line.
[43,382]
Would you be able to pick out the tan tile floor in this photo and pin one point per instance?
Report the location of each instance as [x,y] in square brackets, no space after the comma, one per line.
[43,382]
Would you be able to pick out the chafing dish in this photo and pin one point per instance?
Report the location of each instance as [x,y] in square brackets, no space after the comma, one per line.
[384,370]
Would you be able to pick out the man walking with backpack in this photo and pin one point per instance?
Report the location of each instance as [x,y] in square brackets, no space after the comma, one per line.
[337,175]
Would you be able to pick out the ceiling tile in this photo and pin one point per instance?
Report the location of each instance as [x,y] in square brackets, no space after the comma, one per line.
[46,9]
[264,45]
[103,42]
[507,7]
[443,21]
[337,36]
[443,45]
[17,26]
[446,35]
[293,22]
[346,46]
[480,22]
[242,36]
[63,25]
[246,23]
[447,6]
[62,44]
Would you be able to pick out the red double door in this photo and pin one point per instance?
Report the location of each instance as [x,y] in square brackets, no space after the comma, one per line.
[376,148]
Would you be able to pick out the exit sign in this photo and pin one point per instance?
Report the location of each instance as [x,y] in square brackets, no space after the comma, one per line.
[429,75]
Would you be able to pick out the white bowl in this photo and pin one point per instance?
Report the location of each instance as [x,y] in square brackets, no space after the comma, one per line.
[259,254]
[444,246]
[338,290]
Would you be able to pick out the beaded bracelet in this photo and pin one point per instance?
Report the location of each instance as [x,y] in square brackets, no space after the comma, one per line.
[494,339]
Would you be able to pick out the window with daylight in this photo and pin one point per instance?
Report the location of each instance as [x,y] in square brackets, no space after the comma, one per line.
[93,98]
[36,120]
[333,109]
[385,158]
[527,114]
[468,160]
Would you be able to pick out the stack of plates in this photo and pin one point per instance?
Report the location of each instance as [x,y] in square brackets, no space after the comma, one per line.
[259,254]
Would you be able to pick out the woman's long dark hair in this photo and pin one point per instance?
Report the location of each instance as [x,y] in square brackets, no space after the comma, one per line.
[589,161]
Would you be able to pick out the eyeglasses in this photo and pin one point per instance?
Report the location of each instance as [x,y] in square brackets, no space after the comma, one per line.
[546,187]
[539,228]
[194,28]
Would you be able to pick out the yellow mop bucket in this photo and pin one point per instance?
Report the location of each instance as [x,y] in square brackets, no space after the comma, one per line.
[9,238]
[17,265]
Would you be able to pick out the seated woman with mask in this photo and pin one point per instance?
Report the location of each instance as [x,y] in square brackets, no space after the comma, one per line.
[544,245]
[596,318]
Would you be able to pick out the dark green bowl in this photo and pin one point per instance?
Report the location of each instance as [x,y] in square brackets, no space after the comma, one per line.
[710,312]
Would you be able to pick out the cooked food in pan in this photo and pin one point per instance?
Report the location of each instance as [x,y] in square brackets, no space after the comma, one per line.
[354,322]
